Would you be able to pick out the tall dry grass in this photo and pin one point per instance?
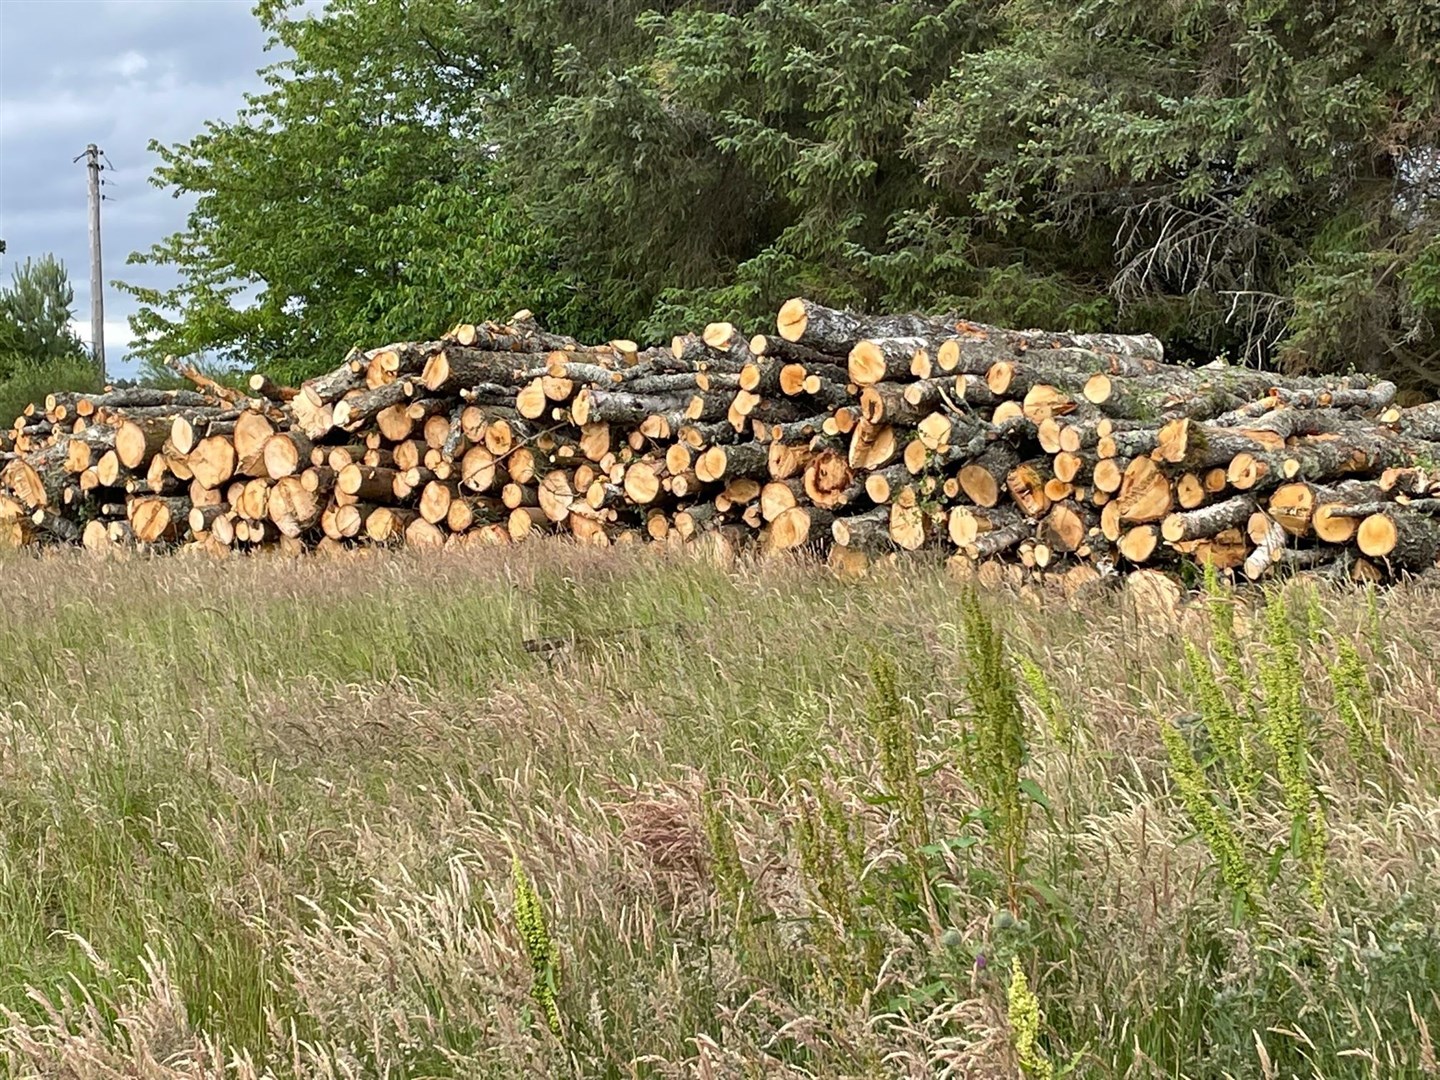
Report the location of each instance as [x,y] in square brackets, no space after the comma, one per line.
[333,819]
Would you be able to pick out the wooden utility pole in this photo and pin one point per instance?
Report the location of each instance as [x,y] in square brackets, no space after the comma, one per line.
[97,289]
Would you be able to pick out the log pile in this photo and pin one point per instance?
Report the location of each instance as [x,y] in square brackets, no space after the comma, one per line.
[857,434]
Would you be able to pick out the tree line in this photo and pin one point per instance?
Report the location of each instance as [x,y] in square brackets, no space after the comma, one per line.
[1256,180]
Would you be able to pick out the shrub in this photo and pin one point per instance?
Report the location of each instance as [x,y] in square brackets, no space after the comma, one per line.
[31,382]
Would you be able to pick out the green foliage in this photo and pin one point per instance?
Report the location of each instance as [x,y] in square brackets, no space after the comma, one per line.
[996,739]
[1283,728]
[808,104]
[36,309]
[1240,178]
[30,382]
[303,815]
[1221,606]
[1046,702]
[155,372]
[1286,726]
[353,202]
[894,734]
[1354,701]
[1210,819]
[535,937]
[1264,169]
[1023,1013]
[1224,725]
[726,870]
[831,846]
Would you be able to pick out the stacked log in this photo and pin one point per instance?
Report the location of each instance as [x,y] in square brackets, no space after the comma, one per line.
[841,431]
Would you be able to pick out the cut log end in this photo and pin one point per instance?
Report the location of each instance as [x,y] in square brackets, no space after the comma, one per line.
[793,319]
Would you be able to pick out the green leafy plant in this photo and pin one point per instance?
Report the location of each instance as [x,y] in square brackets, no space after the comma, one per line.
[1354,701]
[1046,702]
[894,733]
[30,382]
[535,937]
[726,870]
[1023,1013]
[36,312]
[1225,726]
[832,855]
[1286,727]
[1210,820]
[996,739]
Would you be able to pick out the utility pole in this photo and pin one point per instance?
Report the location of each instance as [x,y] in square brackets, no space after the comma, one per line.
[97,288]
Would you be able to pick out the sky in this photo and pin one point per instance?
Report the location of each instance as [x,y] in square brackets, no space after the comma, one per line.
[117,73]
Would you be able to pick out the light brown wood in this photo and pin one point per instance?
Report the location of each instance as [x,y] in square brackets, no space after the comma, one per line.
[136,443]
[531,402]
[1066,526]
[829,481]
[555,496]
[840,422]
[641,484]
[1138,544]
[386,525]
[212,461]
[26,483]
[292,507]
[152,520]
[910,526]
[435,500]
[1190,491]
[1401,538]
[479,471]
[983,480]
[252,431]
[1026,484]
[795,527]
[423,535]
[872,446]
[1268,546]
[1145,492]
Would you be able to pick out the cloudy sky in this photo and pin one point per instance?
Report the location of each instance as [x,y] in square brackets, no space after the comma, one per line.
[117,73]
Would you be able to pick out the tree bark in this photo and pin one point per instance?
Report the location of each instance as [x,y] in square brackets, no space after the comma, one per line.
[868,531]
[1208,521]
[837,332]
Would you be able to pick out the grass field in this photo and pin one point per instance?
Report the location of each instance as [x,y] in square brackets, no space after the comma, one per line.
[334,819]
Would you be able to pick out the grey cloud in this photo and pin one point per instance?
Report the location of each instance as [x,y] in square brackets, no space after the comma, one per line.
[117,73]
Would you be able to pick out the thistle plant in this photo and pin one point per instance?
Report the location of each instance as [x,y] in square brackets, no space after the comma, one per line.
[535,936]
